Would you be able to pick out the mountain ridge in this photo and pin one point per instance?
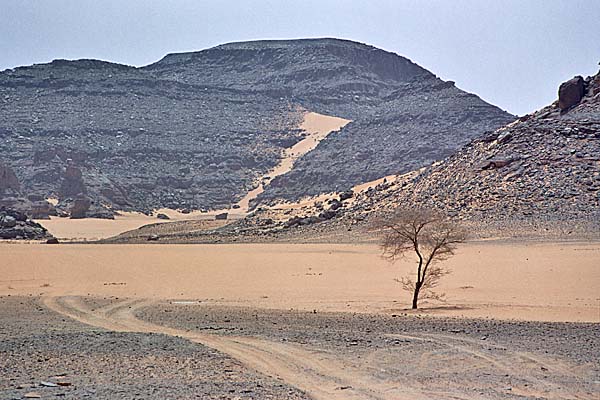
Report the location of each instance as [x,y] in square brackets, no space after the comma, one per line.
[194,130]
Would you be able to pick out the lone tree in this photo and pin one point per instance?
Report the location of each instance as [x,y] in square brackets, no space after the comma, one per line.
[433,238]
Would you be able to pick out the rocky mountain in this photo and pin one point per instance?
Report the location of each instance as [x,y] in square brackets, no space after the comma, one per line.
[538,176]
[195,130]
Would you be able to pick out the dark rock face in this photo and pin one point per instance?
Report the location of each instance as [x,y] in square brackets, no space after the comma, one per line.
[195,130]
[570,93]
[8,179]
[72,183]
[15,225]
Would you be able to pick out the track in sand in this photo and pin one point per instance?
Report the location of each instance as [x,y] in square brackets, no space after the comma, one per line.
[326,375]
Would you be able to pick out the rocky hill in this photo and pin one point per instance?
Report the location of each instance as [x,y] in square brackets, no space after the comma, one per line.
[536,177]
[195,130]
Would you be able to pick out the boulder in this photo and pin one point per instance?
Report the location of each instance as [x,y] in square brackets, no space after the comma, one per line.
[294,221]
[327,214]
[346,195]
[495,164]
[41,210]
[221,216]
[334,204]
[570,93]
[162,216]
[8,221]
[80,207]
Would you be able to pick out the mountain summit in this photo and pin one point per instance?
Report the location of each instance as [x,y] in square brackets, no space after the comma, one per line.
[195,130]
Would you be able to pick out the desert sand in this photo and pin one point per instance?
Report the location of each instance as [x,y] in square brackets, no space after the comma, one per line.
[540,282]
[90,229]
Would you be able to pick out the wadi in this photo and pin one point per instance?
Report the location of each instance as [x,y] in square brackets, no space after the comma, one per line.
[294,219]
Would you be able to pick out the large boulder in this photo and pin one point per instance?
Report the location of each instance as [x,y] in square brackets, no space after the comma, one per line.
[8,221]
[16,225]
[222,216]
[80,207]
[570,93]
[41,210]
[84,207]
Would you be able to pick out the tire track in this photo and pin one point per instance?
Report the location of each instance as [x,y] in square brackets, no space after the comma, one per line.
[320,376]
[326,375]
[524,366]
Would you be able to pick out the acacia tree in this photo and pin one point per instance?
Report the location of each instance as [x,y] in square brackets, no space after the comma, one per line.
[431,236]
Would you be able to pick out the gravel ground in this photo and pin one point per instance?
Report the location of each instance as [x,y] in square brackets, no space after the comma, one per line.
[465,357]
[578,342]
[37,345]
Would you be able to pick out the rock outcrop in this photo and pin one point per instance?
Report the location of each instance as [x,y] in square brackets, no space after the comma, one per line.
[15,225]
[8,179]
[72,184]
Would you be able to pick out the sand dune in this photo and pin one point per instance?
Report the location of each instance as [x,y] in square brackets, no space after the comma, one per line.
[551,282]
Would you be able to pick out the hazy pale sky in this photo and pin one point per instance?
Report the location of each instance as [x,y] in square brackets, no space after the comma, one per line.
[512,53]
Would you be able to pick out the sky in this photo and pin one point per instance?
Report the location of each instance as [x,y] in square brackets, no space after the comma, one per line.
[512,53]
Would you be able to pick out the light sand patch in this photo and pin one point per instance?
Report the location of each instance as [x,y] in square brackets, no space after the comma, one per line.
[95,228]
[317,127]
[552,282]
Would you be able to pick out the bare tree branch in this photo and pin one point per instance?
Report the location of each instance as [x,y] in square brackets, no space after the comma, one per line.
[431,236]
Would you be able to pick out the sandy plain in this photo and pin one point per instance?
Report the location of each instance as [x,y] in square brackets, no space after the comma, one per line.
[529,281]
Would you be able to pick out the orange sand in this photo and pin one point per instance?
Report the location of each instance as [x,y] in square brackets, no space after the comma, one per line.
[554,282]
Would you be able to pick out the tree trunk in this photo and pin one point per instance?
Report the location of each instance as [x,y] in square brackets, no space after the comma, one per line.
[416,295]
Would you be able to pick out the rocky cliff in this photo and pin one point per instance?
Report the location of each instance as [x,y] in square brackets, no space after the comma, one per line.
[195,130]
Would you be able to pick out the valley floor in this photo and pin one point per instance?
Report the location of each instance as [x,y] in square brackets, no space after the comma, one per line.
[292,321]
[506,280]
